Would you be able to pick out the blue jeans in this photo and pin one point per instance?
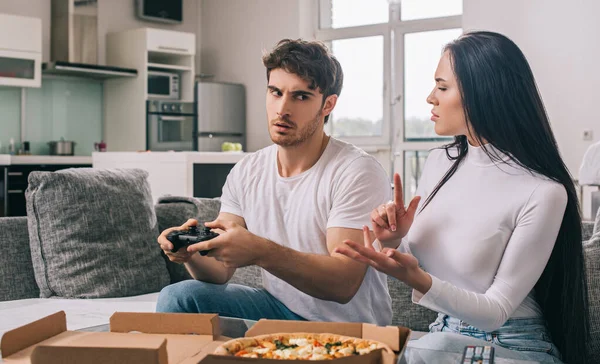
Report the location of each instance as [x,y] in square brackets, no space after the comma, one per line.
[231,300]
[518,338]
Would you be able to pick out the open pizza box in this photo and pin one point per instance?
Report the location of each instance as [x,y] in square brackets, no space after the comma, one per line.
[395,337]
[172,338]
[153,338]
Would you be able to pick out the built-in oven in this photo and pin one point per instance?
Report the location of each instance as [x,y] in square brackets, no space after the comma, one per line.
[163,85]
[170,125]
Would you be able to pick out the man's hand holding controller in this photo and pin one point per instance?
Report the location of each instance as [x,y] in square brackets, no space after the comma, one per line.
[174,241]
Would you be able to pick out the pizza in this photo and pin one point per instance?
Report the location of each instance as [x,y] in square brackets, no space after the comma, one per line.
[299,346]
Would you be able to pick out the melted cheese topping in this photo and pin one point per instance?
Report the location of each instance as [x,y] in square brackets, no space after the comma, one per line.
[305,349]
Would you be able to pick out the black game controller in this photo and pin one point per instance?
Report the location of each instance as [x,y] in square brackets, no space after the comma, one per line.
[192,236]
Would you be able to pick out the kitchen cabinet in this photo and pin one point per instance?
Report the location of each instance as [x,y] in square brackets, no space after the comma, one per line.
[209,179]
[143,49]
[2,191]
[20,51]
[13,183]
[168,41]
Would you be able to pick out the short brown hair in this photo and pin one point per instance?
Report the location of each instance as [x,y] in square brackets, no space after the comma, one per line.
[311,60]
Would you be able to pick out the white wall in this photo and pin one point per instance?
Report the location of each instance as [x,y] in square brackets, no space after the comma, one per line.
[113,16]
[561,40]
[233,37]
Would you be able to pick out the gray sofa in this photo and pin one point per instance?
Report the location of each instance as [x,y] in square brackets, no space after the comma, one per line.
[18,281]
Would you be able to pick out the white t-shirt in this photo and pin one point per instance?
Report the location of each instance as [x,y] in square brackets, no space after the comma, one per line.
[340,190]
[485,238]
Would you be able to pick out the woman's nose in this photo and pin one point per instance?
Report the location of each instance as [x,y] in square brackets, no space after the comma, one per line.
[431,99]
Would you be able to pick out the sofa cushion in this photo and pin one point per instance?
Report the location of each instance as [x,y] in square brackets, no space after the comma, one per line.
[16,272]
[93,233]
[175,211]
[405,312]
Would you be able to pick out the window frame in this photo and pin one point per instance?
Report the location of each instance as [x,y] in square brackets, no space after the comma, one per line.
[399,144]
[392,139]
[382,30]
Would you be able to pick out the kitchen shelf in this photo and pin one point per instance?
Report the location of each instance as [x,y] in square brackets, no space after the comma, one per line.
[169,66]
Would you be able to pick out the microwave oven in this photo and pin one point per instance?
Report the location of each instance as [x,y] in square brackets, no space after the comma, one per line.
[163,85]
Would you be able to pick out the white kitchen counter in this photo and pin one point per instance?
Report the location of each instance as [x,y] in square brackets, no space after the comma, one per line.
[169,173]
[7,159]
[188,157]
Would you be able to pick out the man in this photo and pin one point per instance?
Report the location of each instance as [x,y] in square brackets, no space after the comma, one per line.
[286,207]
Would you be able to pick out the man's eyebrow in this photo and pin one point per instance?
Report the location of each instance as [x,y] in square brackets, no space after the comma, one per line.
[302,93]
[439,79]
[295,93]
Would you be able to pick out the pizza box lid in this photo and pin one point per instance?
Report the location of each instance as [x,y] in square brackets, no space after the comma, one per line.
[161,338]
[396,337]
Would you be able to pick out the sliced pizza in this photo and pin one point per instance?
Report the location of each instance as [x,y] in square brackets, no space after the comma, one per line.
[299,346]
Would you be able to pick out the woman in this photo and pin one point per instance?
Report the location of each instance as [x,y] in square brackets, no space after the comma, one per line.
[495,246]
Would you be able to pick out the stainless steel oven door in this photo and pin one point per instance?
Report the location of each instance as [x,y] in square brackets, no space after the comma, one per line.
[169,132]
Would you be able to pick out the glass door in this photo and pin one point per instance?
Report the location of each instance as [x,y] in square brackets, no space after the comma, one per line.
[20,69]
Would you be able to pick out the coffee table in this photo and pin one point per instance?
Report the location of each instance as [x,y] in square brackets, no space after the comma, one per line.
[235,327]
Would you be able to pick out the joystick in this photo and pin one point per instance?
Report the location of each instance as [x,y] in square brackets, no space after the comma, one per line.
[192,236]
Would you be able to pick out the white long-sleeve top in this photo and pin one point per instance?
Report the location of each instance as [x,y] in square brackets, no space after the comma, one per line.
[485,238]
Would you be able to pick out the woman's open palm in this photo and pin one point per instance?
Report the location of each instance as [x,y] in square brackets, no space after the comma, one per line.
[389,261]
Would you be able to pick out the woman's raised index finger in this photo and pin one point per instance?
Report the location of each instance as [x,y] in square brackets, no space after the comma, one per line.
[398,199]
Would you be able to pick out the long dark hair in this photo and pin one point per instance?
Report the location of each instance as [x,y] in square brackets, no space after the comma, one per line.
[503,106]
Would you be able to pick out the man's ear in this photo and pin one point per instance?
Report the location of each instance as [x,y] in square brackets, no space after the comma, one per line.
[329,104]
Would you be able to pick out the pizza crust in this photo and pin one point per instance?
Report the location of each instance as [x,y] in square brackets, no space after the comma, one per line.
[231,347]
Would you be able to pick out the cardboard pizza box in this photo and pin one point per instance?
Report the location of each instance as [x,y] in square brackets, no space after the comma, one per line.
[395,337]
[154,338]
[171,338]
